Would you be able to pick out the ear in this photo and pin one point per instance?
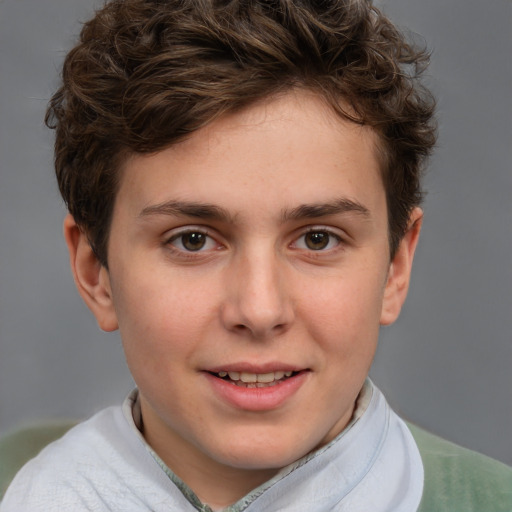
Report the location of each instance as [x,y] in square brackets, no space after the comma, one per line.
[399,273]
[91,278]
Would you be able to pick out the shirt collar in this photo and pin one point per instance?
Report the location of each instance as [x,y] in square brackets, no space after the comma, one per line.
[350,470]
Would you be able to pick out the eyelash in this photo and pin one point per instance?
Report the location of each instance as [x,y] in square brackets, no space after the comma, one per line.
[209,239]
[183,251]
[332,236]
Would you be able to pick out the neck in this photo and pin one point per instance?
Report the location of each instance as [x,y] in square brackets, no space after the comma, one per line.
[221,490]
[214,483]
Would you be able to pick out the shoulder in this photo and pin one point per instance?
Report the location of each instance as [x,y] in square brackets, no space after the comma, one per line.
[458,479]
[102,464]
[21,445]
[71,469]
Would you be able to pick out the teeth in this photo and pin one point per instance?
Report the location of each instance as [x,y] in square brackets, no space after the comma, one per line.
[255,378]
[266,377]
[248,377]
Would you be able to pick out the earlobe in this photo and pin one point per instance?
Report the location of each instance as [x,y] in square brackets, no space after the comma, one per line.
[400,268]
[91,278]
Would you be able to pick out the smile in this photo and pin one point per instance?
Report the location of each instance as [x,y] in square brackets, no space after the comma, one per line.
[254,380]
[251,388]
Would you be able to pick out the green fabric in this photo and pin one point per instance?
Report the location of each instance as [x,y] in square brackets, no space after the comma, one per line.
[460,480]
[20,446]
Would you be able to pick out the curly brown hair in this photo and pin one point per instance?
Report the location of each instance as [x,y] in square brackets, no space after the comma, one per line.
[145,73]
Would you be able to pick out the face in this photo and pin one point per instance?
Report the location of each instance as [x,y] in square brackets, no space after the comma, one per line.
[249,273]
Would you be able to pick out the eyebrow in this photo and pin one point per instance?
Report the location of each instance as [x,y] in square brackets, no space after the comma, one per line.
[312,211]
[187,209]
[214,212]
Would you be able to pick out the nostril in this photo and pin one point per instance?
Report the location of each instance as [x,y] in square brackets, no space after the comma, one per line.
[245,318]
[243,329]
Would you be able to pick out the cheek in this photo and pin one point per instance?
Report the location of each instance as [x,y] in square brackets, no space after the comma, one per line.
[160,317]
[345,314]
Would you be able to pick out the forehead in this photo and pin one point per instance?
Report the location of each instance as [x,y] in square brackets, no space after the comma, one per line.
[282,151]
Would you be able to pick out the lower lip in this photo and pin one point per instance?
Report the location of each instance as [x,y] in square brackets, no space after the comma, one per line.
[257,399]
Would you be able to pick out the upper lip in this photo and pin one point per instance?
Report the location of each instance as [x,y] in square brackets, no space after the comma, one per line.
[261,368]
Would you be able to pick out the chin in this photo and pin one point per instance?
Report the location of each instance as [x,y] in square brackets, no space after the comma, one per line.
[261,455]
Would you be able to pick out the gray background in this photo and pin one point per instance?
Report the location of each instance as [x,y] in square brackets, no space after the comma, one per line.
[445,364]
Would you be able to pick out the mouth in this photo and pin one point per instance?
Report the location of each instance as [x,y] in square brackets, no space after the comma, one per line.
[256,388]
[254,380]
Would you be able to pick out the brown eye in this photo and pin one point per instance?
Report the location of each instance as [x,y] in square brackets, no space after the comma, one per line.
[193,241]
[317,240]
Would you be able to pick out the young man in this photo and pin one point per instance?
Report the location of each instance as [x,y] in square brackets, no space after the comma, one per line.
[243,182]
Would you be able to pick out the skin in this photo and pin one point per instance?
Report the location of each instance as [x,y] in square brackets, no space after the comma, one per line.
[279,180]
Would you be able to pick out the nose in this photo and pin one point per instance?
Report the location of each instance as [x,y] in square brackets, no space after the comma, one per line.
[257,302]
